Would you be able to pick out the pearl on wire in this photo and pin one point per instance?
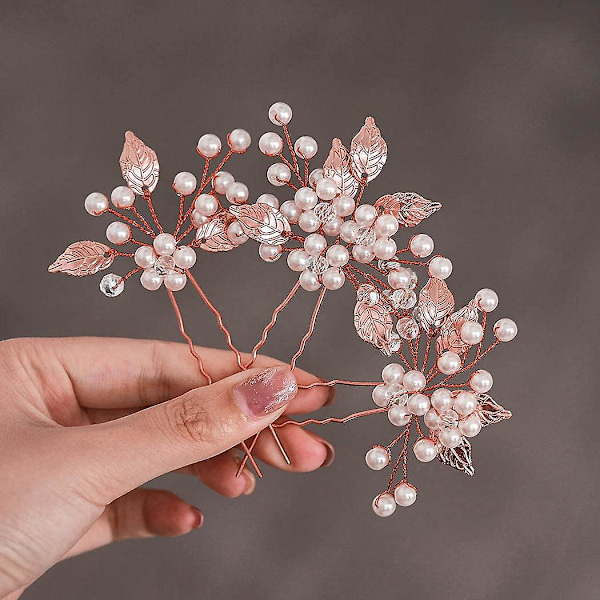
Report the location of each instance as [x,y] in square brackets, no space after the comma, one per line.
[118,233]
[199,219]
[268,199]
[440,267]
[221,181]
[333,278]
[425,449]
[465,403]
[151,280]
[297,260]
[175,281]
[337,255]
[450,437]
[349,231]
[305,198]
[386,226]
[343,205]
[270,253]
[384,505]
[432,419]
[405,494]
[505,330]
[421,245]
[362,254]
[332,227]
[315,244]
[279,174]
[486,299]
[399,415]
[441,399]
[306,147]
[270,143]
[471,426]
[380,395]
[449,362]
[326,189]
[122,197]
[145,257]
[385,248]
[309,281]
[235,233]
[239,141]
[471,333]
[206,205]
[414,381]
[377,458]
[393,373]
[481,381]
[418,404]
[314,177]
[184,183]
[365,214]
[209,146]
[164,244]
[96,204]
[400,278]
[237,193]
[290,210]
[185,257]
[308,221]
[280,113]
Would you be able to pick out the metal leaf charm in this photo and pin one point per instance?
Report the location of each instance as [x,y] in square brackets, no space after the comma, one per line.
[337,167]
[459,457]
[374,325]
[409,208]
[139,164]
[83,258]
[368,151]
[262,223]
[436,302]
[490,411]
[449,335]
[212,236]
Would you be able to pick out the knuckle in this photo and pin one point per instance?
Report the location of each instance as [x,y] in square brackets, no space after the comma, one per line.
[190,420]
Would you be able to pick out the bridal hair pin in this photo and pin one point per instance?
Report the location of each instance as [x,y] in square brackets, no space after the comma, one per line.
[332,237]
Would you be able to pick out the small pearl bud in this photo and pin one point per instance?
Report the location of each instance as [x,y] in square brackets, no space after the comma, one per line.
[280,113]
[239,140]
[209,145]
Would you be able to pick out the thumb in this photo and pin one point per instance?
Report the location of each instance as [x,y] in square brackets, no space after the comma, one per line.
[196,426]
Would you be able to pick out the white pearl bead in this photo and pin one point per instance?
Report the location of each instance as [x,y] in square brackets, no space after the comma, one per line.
[399,415]
[481,381]
[384,505]
[306,147]
[333,278]
[418,404]
[440,267]
[399,278]
[309,281]
[96,204]
[280,113]
[505,330]
[184,183]
[385,248]
[314,176]
[365,214]
[315,244]
[237,193]
[239,140]
[337,255]
[377,458]
[471,426]
[118,233]
[486,299]
[465,403]
[405,494]
[209,145]
[305,198]
[332,228]
[348,231]
[122,197]
[449,362]
[471,333]
[362,254]
[270,253]
[235,233]
[151,280]
[421,245]
[185,257]
[221,181]
[308,221]
[297,260]
[144,257]
[386,226]
[441,399]
[432,419]
[290,210]
[393,373]
[425,450]
[326,189]
[414,381]
[175,281]
[206,204]
[380,395]
[343,205]
[199,219]
[278,174]
[164,244]
[270,144]
[450,437]
[268,199]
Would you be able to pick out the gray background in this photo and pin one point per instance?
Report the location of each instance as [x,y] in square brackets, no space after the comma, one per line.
[490,108]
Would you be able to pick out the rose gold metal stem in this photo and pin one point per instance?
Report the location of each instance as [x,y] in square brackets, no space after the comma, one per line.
[249,457]
[280,445]
[148,197]
[291,147]
[357,415]
[311,328]
[180,217]
[135,224]
[340,382]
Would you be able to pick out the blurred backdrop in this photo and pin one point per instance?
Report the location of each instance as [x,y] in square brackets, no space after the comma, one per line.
[488,107]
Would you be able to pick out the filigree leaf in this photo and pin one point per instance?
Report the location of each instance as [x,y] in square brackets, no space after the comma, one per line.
[449,335]
[490,411]
[83,258]
[408,207]
[262,223]
[435,304]
[368,151]
[212,236]
[139,164]
[459,457]
[374,325]
[337,167]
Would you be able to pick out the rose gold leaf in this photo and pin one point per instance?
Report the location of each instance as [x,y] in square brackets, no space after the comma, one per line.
[368,151]
[212,236]
[460,457]
[83,258]
[262,223]
[409,208]
[139,164]
[490,411]
[436,302]
[374,325]
[449,334]
[337,167]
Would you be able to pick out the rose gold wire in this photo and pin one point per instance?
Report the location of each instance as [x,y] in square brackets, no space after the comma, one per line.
[291,167]
[250,458]
[148,197]
[338,382]
[180,217]
[351,417]
[306,174]
[291,147]
[145,223]
[112,211]
[311,328]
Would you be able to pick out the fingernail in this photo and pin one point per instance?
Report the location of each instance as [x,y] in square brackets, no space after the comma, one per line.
[330,452]
[266,391]
[331,392]
[251,481]
[199,517]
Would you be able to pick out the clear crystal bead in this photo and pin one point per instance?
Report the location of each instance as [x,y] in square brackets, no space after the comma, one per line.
[394,342]
[164,265]
[413,280]
[317,264]
[396,394]
[388,265]
[112,285]
[365,236]
[448,418]
[407,328]
[325,212]
[403,299]
[368,294]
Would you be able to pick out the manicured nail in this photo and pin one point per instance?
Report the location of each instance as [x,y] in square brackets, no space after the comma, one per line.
[199,517]
[266,391]
[251,481]
[329,449]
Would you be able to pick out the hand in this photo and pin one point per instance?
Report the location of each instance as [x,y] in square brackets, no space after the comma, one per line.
[84,422]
